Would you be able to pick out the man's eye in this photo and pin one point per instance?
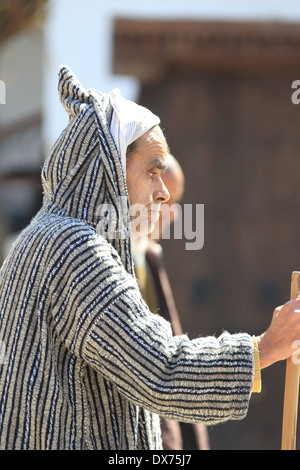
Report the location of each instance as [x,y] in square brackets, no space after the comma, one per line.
[153,172]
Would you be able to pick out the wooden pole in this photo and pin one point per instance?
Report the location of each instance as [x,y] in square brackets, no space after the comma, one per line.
[291,389]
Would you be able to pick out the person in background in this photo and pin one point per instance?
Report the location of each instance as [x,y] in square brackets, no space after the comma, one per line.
[157,292]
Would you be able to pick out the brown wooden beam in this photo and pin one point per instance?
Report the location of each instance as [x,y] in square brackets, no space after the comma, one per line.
[148,49]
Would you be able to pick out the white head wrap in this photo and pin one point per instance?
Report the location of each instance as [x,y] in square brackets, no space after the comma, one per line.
[129,122]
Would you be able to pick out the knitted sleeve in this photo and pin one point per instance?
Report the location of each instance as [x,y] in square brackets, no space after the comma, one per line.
[99,314]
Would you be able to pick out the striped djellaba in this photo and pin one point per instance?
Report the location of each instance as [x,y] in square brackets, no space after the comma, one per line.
[87,365]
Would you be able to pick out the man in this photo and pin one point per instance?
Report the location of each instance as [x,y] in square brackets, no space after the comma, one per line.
[156,290]
[87,365]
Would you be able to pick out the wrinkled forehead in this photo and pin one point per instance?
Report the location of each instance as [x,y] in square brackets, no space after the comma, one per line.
[158,133]
[154,137]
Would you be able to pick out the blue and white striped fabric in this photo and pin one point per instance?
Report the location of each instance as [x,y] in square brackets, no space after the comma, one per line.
[87,365]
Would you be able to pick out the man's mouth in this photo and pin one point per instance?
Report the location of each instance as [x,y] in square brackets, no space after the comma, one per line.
[154,213]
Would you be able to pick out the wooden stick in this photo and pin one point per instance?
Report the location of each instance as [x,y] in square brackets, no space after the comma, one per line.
[291,389]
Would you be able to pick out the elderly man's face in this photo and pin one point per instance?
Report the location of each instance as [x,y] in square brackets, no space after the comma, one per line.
[146,190]
[173,178]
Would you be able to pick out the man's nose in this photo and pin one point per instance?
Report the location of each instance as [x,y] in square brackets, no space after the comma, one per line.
[161,194]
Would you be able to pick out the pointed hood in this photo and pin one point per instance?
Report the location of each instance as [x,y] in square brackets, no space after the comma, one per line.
[84,173]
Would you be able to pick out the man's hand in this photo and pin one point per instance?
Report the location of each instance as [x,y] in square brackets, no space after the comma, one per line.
[276,343]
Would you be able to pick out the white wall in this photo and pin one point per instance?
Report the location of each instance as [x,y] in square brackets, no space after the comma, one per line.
[20,69]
